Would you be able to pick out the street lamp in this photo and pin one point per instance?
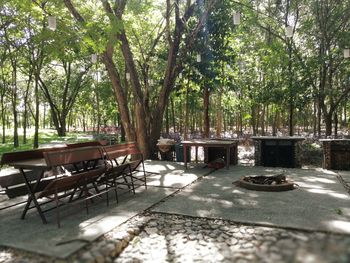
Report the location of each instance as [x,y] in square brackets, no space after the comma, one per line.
[52,23]
[289,31]
[236,18]
[94,58]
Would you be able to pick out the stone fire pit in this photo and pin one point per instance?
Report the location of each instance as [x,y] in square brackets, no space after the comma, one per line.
[272,183]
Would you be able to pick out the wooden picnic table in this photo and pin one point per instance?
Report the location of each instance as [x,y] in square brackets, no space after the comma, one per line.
[206,143]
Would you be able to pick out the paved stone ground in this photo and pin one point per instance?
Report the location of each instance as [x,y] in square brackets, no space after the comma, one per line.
[153,237]
[157,237]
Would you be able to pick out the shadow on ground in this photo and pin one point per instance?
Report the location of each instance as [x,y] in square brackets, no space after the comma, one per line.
[79,228]
[320,203]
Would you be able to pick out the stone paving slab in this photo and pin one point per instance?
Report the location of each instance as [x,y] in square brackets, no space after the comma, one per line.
[78,228]
[321,203]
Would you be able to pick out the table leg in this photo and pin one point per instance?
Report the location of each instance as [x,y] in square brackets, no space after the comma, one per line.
[196,154]
[227,157]
[185,155]
[31,196]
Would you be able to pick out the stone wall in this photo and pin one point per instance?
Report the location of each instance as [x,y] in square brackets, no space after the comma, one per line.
[336,154]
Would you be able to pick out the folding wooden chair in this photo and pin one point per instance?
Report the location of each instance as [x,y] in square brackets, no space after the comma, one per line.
[117,170]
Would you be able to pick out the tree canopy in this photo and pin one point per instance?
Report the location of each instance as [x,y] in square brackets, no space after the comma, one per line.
[175,66]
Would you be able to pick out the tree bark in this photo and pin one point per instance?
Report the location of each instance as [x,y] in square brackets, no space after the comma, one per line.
[206,119]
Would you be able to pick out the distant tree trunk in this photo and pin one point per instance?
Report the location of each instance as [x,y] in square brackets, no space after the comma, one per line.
[206,123]
[187,108]
[84,122]
[336,123]
[3,117]
[274,123]
[253,119]
[97,100]
[218,116]
[14,106]
[167,129]
[262,120]
[36,119]
[173,113]
[25,113]
[314,117]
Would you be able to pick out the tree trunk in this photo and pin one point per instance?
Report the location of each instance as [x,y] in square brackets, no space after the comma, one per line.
[262,120]
[167,129]
[3,119]
[173,113]
[335,124]
[218,116]
[206,125]
[253,119]
[187,109]
[328,122]
[14,107]
[36,119]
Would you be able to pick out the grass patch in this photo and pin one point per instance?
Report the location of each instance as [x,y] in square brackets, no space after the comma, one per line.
[45,137]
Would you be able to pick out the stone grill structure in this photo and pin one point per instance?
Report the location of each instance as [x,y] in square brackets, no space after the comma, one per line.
[336,154]
[277,151]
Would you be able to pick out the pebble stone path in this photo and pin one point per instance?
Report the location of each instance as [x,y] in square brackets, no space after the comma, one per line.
[154,237]
[157,237]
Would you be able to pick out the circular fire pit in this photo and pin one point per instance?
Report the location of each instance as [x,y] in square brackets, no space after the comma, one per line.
[274,183]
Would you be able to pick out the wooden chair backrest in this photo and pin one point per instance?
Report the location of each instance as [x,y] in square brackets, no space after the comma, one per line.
[120,150]
[83,144]
[72,156]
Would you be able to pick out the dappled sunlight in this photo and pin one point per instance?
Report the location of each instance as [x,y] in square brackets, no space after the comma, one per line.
[7,256]
[326,171]
[170,167]
[345,211]
[206,212]
[155,167]
[319,180]
[212,198]
[343,226]
[238,192]
[330,193]
[246,202]
[309,185]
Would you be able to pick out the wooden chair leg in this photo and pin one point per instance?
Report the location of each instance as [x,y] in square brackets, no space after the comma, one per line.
[57,209]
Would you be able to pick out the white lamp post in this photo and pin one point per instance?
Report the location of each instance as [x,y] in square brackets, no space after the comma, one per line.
[346,53]
[236,18]
[52,23]
[94,58]
[199,58]
[289,31]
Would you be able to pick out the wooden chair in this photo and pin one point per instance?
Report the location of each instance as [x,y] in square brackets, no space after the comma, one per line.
[74,185]
[129,153]
[117,170]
